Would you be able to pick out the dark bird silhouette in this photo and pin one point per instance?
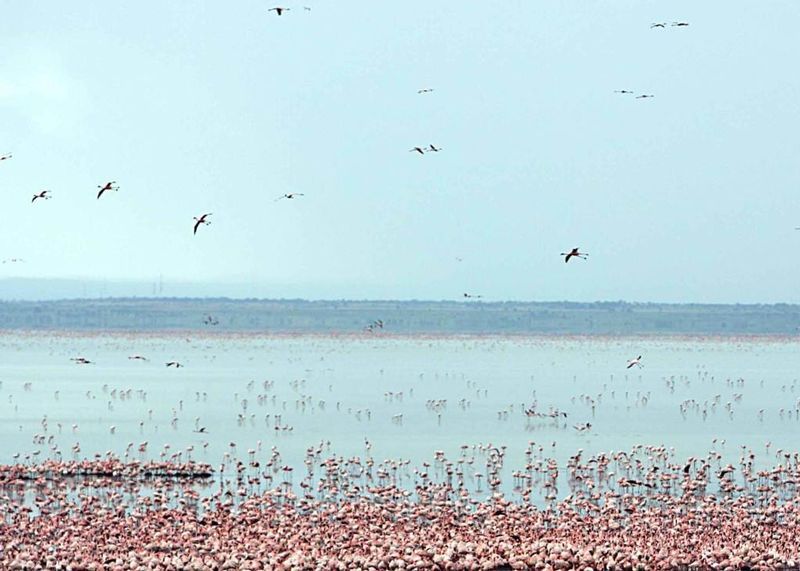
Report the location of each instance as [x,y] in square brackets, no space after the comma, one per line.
[44,194]
[574,253]
[290,196]
[658,25]
[416,150]
[624,91]
[426,90]
[434,149]
[138,358]
[201,220]
[680,24]
[644,96]
[174,364]
[107,186]
[470,296]
[279,10]
[635,362]
[6,156]
[80,361]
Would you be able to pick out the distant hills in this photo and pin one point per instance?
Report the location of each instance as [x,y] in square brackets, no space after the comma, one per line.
[403,317]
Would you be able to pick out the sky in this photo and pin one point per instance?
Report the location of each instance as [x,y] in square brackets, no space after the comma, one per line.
[194,107]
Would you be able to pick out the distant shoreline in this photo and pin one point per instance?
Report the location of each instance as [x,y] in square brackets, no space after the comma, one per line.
[404,318]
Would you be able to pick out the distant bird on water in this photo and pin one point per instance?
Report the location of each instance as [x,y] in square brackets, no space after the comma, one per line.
[6,156]
[637,362]
[107,186]
[201,220]
[279,10]
[416,150]
[44,194]
[574,253]
[290,196]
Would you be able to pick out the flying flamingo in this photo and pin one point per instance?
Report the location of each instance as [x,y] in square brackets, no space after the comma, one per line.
[426,90]
[202,220]
[574,253]
[290,196]
[635,362]
[107,186]
[658,25]
[6,156]
[470,296]
[644,96]
[416,150]
[434,149]
[279,10]
[175,364]
[44,194]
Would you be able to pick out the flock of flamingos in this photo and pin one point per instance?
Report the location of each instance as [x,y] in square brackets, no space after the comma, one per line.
[644,508]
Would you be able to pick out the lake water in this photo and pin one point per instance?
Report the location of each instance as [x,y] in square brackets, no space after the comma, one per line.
[349,387]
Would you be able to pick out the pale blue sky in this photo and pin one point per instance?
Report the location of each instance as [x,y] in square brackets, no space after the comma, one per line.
[221,107]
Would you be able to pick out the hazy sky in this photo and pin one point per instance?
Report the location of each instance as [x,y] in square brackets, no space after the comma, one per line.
[221,107]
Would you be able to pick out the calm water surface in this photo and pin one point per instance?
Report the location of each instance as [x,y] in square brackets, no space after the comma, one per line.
[345,390]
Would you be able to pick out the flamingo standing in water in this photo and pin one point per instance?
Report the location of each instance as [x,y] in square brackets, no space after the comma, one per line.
[107,186]
[574,253]
[201,220]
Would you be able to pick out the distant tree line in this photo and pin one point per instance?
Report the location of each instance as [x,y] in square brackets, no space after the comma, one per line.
[301,316]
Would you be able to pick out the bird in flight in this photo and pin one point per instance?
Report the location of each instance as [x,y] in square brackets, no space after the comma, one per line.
[81,360]
[470,296]
[574,253]
[6,156]
[210,320]
[137,358]
[416,150]
[202,220]
[658,25]
[13,260]
[644,96]
[279,10]
[637,362]
[426,90]
[174,364]
[44,194]
[434,149]
[680,24]
[623,91]
[201,430]
[290,196]
[107,186]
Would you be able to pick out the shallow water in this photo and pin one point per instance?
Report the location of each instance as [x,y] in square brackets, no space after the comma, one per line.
[354,375]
